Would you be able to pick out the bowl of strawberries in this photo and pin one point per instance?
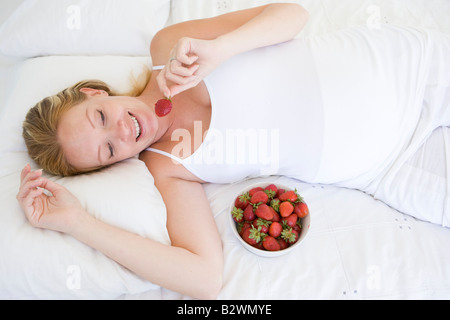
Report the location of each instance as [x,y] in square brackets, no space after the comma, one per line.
[269,220]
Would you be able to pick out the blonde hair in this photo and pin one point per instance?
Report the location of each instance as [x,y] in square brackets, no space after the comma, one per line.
[41,123]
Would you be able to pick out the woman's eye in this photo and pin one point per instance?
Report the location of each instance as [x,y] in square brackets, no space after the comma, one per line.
[102,116]
[111,150]
[110,147]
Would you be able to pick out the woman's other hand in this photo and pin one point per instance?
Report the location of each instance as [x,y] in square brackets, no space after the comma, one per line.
[191,61]
[58,211]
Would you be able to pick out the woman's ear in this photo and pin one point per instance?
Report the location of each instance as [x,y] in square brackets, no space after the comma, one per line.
[93,92]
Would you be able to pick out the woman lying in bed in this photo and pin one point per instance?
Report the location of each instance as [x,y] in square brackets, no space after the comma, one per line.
[341,108]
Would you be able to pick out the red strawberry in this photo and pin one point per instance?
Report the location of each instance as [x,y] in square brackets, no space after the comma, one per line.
[252,191]
[301,210]
[291,220]
[249,214]
[276,216]
[263,224]
[275,203]
[238,214]
[297,227]
[264,212]
[271,190]
[275,229]
[242,226]
[271,187]
[163,107]
[290,235]
[283,244]
[259,245]
[259,196]
[251,235]
[289,196]
[242,201]
[279,192]
[286,208]
[271,244]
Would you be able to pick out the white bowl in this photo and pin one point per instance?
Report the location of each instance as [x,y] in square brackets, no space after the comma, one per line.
[305,222]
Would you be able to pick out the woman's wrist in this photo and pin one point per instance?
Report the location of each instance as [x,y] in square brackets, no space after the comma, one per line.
[228,46]
[79,224]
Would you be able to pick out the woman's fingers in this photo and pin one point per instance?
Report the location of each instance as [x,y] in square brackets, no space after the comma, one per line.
[176,80]
[184,52]
[27,188]
[25,171]
[28,175]
[179,73]
[47,204]
[180,88]
[182,70]
[51,186]
[162,83]
[185,59]
[29,180]
[29,204]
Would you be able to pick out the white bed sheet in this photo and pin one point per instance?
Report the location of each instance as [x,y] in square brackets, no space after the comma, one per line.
[357,247]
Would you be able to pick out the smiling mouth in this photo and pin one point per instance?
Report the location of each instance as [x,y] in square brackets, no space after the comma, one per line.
[137,126]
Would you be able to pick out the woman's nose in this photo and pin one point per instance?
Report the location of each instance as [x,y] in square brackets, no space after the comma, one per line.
[123,131]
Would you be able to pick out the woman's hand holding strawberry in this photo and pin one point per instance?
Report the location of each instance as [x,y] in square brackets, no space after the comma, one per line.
[191,61]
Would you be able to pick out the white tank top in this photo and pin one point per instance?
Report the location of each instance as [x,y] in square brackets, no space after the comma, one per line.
[337,108]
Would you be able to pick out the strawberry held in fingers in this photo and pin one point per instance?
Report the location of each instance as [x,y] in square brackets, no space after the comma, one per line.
[163,107]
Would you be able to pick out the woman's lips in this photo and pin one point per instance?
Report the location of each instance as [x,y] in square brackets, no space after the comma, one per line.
[137,127]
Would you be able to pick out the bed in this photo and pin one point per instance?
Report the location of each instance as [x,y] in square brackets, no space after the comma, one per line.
[357,247]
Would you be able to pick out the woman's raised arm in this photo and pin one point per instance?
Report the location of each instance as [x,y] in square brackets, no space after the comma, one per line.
[191,50]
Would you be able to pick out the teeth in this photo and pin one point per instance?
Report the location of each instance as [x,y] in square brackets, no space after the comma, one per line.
[136,124]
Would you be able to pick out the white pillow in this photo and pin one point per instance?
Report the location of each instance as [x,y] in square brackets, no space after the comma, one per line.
[83,27]
[42,264]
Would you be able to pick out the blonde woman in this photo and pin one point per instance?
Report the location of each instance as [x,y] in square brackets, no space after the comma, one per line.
[310,109]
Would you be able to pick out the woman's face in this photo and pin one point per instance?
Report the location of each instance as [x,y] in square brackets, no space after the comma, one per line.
[104,130]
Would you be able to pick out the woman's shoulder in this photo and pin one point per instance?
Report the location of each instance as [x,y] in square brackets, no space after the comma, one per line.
[162,166]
